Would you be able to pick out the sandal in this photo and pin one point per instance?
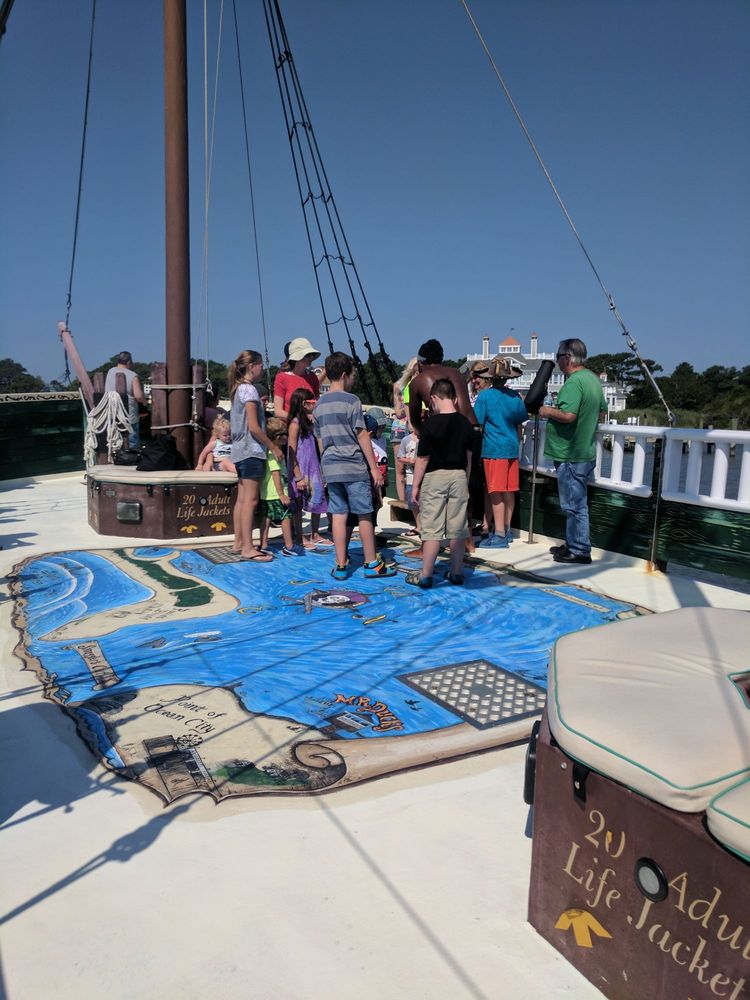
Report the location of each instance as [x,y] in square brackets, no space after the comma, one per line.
[417,580]
[260,556]
[412,533]
[379,568]
[457,579]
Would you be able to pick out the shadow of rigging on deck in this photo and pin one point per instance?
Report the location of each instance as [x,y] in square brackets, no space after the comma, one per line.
[43,764]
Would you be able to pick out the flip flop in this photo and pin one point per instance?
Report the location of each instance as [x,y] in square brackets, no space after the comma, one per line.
[260,557]
[323,543]
[412,533]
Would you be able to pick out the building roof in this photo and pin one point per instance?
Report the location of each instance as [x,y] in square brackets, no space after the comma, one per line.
[510,340]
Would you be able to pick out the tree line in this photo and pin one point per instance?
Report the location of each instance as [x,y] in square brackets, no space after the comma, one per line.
[720,395]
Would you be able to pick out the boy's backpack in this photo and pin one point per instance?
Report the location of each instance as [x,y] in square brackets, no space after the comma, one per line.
[161,455]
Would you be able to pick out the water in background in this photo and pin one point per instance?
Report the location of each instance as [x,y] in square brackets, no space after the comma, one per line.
[707,466]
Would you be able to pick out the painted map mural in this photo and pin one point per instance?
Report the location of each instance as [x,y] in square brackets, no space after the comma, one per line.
[190,671]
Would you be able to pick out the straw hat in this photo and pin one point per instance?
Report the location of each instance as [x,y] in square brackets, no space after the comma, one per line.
[301,348]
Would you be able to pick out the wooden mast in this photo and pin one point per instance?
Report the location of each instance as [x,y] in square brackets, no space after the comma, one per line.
[177,248]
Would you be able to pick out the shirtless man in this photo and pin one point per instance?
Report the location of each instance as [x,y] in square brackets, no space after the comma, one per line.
[430,368]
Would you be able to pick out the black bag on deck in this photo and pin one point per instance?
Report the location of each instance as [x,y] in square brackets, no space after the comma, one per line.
[161,455]
[126,456]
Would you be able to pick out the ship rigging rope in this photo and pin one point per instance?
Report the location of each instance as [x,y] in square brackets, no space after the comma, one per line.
[69,303]
[333,257]
[250,183]
[610,300]
[208,156]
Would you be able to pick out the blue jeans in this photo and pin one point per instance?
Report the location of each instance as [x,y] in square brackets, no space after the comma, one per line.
[572,478]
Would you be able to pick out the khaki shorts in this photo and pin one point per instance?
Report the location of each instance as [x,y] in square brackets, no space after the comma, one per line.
[443,499]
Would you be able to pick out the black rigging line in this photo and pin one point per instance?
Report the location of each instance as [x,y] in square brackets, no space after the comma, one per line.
[250,179]
[332,260]
[611,302]
[69,302]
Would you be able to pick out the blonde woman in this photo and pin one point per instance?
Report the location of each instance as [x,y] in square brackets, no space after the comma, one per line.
[250,445]
[400,426]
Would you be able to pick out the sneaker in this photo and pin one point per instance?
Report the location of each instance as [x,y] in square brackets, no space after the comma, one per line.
[417,580]
[559,550]
[509,534]
[340,572]
[457,579]
[570,557]
[494,542]
[380,568]
[290,552]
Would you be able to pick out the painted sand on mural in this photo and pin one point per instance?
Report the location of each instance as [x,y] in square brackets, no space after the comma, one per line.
[190,671]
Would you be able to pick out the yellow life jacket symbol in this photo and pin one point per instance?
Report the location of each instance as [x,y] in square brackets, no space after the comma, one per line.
[583,924]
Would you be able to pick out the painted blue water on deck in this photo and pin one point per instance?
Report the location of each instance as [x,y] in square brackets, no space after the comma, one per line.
[285,661]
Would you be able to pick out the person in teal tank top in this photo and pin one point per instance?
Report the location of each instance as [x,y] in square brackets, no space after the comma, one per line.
[571,444]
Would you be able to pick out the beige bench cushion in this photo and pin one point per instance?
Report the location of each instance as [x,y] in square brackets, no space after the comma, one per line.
[128,474]
[652,703]
[728,817]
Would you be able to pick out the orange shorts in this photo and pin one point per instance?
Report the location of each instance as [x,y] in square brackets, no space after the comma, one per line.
[501,475]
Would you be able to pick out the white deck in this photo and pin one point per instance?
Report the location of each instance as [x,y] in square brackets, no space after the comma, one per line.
[412,886]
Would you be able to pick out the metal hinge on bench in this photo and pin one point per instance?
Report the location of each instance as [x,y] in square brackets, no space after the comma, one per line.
[580,775]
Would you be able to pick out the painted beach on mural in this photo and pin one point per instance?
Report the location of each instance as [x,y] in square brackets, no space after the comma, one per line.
[296,673]
[422,875]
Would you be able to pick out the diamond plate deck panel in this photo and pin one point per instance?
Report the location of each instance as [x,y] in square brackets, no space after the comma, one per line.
[479,691]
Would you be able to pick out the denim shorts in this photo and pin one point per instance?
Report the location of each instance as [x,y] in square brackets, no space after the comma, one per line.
[251,468]
[350,498]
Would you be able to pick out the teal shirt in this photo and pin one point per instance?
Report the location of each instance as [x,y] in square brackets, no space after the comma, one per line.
[582,394]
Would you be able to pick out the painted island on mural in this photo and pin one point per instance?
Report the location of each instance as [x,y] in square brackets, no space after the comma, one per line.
[188,670]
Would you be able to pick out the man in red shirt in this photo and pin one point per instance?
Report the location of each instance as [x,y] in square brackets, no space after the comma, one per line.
[301,356]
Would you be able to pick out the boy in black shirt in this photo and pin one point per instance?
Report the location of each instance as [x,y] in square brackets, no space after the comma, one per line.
[441,477]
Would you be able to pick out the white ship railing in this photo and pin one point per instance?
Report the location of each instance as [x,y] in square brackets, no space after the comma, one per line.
[685,451]
[713,445]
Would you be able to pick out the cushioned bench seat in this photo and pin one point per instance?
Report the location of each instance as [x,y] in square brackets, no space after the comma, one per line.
[657,703]
[128,474]
[728,817]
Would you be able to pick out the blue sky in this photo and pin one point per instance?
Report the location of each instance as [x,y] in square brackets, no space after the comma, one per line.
[641,110]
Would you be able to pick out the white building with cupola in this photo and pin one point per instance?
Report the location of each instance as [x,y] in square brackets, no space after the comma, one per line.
[615,394]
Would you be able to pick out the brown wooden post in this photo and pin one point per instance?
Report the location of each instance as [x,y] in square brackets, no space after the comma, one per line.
[83,376]
[159,417]
[177,220]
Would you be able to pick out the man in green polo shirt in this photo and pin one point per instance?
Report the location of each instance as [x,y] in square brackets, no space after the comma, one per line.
[571,444]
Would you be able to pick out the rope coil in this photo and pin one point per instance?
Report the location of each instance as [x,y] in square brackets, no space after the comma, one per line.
[109,417]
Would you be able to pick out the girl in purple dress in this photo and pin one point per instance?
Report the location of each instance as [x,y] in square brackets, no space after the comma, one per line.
[306,487]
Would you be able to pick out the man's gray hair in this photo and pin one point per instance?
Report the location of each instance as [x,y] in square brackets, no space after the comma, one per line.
[124,358]
[576,348]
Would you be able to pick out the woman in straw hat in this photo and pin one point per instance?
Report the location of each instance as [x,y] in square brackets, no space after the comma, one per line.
[301,356]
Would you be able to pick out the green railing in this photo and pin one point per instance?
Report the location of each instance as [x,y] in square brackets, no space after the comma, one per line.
[40,434]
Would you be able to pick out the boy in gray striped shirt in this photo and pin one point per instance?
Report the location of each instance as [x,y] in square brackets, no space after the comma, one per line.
[349,467]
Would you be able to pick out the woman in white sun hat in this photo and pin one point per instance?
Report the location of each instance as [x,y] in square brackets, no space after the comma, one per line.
[301,356]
